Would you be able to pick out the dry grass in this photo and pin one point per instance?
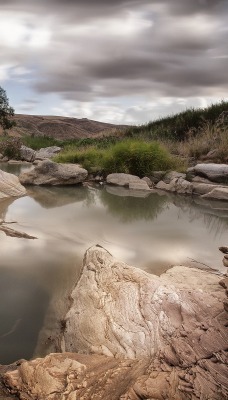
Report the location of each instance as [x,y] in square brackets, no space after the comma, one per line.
[211,138]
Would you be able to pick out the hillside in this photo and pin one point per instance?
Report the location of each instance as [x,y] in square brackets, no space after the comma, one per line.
[60,127]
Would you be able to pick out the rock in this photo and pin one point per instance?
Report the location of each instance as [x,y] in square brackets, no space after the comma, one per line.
[74,376]
[148,181]
[50,173]
[200,179]
[1,156]
[157,176]
[121,311]
[5,159]
[213,172]
[122,179]
[47,152]
[225,260]
[27,154]
[218,193]
[169,176]
[178,185]
[202,188]
[168,336]
[10,186]
[141,185]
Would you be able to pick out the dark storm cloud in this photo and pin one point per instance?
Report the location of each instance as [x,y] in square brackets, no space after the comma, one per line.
[129,48]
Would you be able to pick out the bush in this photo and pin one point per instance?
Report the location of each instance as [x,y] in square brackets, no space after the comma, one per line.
[139,158]
[10,147]
[129,156]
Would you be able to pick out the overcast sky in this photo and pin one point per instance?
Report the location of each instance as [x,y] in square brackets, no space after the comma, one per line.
[113,60]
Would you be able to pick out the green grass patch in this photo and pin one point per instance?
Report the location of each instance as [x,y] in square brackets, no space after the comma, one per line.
[129,156]
[38,142]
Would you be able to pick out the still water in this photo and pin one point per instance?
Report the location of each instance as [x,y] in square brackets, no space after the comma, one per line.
[152,233]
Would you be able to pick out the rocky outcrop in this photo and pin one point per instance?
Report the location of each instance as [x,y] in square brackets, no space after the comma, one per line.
[47,152]
[214,172]
[126,180]
[50,173]
[27,154]
[168,336]
[10,186]
[123,311]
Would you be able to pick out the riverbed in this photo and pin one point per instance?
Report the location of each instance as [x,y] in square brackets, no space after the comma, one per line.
[152,232]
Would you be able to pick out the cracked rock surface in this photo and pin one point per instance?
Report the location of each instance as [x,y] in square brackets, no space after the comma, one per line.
[143,337]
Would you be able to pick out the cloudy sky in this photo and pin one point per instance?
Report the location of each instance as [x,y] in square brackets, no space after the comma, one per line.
[120,61]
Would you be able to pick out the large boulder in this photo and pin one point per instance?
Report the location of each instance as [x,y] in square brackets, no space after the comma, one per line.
[50,173]
[167,335]
[27,154]
[10,186]
[122,311]
[47,152]
[213,172]
[169,176]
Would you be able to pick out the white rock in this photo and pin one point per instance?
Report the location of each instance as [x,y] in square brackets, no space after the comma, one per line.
[10,186]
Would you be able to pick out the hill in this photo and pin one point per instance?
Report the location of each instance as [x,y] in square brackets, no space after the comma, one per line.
[60,128]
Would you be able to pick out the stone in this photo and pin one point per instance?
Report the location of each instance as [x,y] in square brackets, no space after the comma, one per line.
[10,186]
[27,154]
[1,156]
[213,172]
[146,337]
[157,176]
[47,152]
[48,172]
[218,193]
[178,185]
[74,376]
[122,311]
[202,188]
[122,179]
[169,176]
[200,179]
[148,181]
[141,185]
[5,159]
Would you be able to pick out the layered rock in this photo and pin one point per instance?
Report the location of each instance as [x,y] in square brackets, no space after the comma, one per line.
[10,186]
[50,173]
[123,311]
[168,336]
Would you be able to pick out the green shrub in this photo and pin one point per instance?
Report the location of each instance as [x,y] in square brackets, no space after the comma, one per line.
[129,156]
[138,158]
[10,147]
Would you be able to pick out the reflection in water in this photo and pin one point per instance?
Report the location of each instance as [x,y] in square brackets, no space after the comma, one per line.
[128,208]
[36,276]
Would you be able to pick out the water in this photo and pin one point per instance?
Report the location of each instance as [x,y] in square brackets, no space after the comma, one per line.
[152,233]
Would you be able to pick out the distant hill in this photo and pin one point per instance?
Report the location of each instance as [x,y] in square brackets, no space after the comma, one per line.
[61,127]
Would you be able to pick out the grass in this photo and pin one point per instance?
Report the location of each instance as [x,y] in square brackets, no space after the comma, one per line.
[129,156]
[176,127]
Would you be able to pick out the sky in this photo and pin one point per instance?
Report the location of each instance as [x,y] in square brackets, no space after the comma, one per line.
[118,61]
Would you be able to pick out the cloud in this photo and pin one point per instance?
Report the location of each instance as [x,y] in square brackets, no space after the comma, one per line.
[90,52]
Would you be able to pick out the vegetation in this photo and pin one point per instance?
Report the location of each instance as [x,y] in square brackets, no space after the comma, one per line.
[176,127]
[5,111]
[38,142]
[130,156]
[10,147]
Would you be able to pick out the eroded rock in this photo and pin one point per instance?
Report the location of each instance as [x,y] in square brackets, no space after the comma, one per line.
[177,185]
[48,172]
[10,186]
[213,172]
[27,154]
[118,310]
